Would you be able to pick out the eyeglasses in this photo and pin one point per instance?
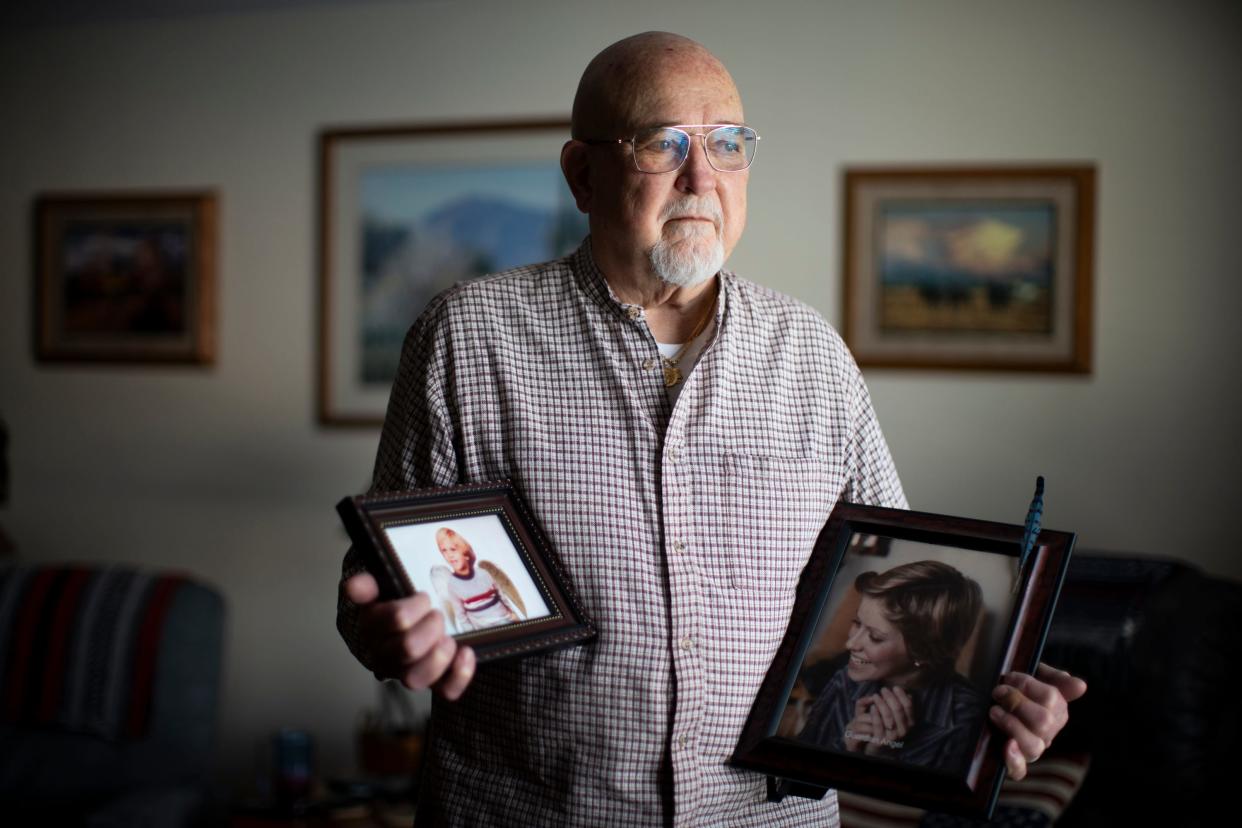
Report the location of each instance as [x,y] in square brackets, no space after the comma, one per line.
[729,147]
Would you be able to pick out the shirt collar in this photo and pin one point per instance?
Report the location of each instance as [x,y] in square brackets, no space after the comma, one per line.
[593,283]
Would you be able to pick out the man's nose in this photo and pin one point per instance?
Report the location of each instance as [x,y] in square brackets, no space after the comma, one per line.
[696,175]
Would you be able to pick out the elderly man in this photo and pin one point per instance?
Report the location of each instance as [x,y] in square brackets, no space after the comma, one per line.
[681,435]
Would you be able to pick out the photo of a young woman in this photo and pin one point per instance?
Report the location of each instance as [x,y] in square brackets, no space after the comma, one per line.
[898,694]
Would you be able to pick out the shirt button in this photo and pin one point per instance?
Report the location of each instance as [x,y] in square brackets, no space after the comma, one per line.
[648,364]
[687,643]
[678,546]
[633,311]
[673,454]
[682,740]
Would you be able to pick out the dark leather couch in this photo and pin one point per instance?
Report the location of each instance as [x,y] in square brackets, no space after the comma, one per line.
[1160,645]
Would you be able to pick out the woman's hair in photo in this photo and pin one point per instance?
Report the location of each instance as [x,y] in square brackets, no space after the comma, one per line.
[932,604]
[445,532]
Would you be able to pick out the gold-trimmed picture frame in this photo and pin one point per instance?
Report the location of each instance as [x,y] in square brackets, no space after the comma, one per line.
[479,555]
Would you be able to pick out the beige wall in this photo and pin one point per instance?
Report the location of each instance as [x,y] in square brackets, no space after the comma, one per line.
[223,471]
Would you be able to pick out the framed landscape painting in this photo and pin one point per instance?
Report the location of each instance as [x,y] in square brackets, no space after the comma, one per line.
[125,277]
[971,267]
[408,211]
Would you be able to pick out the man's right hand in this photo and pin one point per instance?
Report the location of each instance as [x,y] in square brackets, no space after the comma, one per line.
[405,640]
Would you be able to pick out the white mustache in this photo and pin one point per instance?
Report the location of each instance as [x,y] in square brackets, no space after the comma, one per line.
[694,208]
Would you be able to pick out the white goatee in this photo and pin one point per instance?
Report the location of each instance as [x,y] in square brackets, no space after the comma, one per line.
[689,258]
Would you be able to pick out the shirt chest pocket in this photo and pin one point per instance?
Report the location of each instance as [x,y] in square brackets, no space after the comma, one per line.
[769,509]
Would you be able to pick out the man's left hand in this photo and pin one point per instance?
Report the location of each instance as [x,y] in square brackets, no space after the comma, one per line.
[1032,710]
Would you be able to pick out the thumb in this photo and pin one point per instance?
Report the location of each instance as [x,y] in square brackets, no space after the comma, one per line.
[360,588]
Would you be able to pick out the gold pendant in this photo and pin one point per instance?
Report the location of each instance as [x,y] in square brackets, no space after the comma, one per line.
[672,375]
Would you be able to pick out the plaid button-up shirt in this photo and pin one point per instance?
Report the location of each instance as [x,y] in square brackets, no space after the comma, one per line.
[683,528]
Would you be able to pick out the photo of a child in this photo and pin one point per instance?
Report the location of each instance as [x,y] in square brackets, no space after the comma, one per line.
[475,594]
[471,570]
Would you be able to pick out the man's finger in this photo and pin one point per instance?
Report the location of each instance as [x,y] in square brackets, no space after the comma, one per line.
[1015,762]
[1071,687]
[360,588]
[1022,739]
[1009,697]
[1050,687]
[1039,707]
[430,668]
[381,619]
[407,647]
[459,675]
[1037,691]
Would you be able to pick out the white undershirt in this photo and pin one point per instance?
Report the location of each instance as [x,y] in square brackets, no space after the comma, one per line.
[688,360]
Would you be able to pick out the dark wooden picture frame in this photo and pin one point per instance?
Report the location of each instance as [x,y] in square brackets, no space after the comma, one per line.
[408,210]
[957,769]
[519,600]
[125,277]
[970,267]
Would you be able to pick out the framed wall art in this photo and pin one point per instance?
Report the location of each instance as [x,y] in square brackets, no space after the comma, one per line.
[125,277]
[478,554]
[984,268]
[902,625]
[406,212]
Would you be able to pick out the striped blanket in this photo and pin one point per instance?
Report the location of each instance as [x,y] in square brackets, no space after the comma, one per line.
[1036,801]
[78,647]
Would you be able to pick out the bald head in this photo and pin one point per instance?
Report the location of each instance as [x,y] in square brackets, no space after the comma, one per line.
[627,81]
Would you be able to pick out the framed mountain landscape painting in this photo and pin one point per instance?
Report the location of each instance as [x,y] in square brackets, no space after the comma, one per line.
[408,211]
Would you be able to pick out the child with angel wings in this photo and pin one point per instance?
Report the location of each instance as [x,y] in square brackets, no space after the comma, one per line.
[473,597]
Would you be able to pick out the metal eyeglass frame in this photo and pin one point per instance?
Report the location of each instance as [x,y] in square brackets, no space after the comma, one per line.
[702,136]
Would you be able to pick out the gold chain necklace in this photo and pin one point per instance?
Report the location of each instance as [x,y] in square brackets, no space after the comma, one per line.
[672,374]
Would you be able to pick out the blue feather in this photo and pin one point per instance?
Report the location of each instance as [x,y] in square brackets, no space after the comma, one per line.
[1033,516]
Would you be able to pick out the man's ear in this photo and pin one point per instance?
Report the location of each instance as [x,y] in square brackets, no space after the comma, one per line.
[576,165]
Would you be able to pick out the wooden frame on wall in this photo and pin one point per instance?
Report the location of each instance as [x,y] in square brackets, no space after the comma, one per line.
[125,277]
[976,268]
[406,211]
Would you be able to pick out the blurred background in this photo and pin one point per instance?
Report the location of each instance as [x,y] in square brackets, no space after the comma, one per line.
[224,471]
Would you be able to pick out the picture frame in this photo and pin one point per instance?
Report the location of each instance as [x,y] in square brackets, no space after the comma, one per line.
[970,267]
[884,603]
[511,598]
[125,277]
[405,212]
